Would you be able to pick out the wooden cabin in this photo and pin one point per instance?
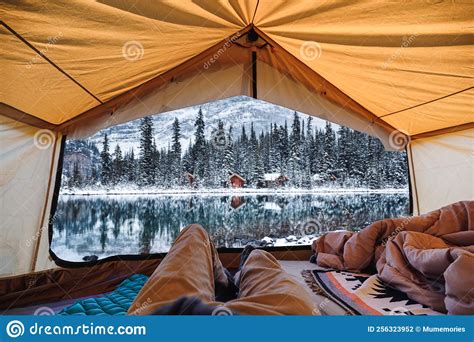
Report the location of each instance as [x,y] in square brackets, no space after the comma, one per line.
[189,178]
[275,180]
[236,181]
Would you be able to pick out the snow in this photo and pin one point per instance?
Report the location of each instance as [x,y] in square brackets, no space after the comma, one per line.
[238,110]
[271,177]
[271,206]
[228,191]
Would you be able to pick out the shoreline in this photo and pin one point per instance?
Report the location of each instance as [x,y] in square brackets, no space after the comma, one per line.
[229,192]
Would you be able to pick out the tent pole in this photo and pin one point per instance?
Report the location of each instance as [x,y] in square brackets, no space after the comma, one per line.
[254,74]
[411,171]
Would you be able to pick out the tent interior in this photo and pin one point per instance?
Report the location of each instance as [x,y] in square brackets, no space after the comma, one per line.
[399,72]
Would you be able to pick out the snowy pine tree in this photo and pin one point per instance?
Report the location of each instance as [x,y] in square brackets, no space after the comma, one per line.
[75,181]
[294,163]
[117,166]
[199,150]
[106,163]
[176,165]
[329,167]
[308,156]
[229,157]
[147,153]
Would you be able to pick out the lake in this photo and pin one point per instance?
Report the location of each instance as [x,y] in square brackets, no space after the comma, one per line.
[106,225]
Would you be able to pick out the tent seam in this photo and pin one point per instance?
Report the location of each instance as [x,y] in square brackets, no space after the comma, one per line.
[427,102]
[31,46]
[254,12]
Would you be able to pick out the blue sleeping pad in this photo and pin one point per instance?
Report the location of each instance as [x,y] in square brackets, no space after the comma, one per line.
[114,303]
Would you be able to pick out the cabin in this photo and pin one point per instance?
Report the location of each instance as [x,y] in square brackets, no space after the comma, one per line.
[189,177]
[417,101]
[236,202]
[275,180]
[236,180]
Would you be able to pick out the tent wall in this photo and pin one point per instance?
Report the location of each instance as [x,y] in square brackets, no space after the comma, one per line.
[214,76]
[276,87]
[226,72]
[442,170]
[28,160]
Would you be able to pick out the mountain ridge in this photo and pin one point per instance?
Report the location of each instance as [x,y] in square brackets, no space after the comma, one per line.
[233,111]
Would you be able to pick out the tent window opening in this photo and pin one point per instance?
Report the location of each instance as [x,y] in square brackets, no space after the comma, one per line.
[248,171]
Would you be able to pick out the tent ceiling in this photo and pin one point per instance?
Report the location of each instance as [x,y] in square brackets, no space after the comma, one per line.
[404,67]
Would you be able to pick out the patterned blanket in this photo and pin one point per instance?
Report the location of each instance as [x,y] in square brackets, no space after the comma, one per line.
[363,294]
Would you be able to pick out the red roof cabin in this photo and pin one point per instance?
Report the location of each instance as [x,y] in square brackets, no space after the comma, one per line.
[190,178]
[236,181]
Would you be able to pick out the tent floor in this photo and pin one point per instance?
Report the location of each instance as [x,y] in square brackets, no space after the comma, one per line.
[321,304]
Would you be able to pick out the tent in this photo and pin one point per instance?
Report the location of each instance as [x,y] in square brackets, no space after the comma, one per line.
[399,72]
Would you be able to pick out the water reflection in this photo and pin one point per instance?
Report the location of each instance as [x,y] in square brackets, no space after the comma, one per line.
[117,224]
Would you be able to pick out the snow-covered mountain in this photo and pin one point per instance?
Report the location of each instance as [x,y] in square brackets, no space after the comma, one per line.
[235,111]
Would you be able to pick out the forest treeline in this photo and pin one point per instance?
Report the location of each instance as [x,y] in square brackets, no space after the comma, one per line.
[307,156]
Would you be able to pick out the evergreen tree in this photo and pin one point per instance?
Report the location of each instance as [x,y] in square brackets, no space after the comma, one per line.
[106,163]
[308,156]
[328,172]
[273,155]
[229,158]
[147,153]
[76,179]
[199,149]
[308,144]
[253,158]
[176,165]
[294,167]
[94,176]
[130,167]
[117,166]
[242,160]
[176,138]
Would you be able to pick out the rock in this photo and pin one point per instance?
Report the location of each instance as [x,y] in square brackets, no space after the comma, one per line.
[90,258]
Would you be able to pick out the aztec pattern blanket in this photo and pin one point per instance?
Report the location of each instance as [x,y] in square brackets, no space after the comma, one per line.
[362,294]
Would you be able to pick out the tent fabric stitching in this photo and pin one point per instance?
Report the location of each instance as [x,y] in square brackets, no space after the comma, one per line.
[27,43]
[427,102]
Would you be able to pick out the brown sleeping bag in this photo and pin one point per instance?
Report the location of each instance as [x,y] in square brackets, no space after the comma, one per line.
[429,257]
